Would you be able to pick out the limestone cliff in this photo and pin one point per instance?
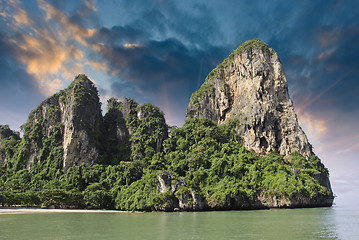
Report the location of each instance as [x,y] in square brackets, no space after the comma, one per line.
[133,131]
[66,127]
[129,161]
[8,138]
[250,85]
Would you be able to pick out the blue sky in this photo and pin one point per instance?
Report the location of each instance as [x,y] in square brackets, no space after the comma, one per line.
[160,51]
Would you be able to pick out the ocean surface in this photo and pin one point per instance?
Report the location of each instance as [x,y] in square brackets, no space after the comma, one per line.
[316,223]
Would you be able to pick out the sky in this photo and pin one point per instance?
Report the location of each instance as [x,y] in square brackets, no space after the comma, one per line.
[160,51]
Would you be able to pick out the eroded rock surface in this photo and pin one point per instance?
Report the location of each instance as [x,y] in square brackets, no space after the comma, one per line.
[251,86]
[73,119]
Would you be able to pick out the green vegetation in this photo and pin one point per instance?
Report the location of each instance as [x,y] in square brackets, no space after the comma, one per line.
[134,149]
[207,157]
[146,124]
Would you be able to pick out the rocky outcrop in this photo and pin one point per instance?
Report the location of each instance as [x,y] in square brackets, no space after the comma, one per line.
[146,114]
[6,133]
[117,136]
[73,118]
[68,129]
[182,197]
[7,137]
[250,86]
[129,127]
[82,120]
[295,201]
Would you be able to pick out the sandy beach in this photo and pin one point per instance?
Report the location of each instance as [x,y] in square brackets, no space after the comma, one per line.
[20,210]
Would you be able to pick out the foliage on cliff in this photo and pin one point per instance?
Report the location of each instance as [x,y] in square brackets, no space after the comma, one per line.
[71,156]
[133,132]
[206,156]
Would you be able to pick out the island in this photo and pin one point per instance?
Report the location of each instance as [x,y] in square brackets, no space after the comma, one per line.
[241,147]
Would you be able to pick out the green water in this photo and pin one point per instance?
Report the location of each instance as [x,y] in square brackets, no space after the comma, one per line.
[319,223]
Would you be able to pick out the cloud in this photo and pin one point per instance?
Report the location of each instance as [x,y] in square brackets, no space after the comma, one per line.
[326,54]
[20,15]
[131,45]
[90,5]
[98,65]
[54,46]
[15,14]
[315,127]
[68,28]
[332,132]
[44,56]
[48,45]
[328,36]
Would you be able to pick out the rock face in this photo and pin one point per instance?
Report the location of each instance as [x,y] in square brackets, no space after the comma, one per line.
[7,136]
[184,198]
[128,127]
[116,132]
[250,86]
[82,120]
[68,129]
[72,119]
[201,166]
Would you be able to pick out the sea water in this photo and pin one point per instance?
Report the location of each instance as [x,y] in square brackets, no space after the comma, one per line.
[312,223]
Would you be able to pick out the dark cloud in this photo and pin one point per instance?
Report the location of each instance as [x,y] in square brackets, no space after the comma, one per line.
[157,67]
[117,36]
[191,23]
[86,15]
[334,65]
[18,94]
[13,75]
[317,43]
[154,42]
[165,47]
[181,43]
[156,61]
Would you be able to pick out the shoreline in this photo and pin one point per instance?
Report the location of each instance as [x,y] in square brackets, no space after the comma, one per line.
[24,210]
[28,210]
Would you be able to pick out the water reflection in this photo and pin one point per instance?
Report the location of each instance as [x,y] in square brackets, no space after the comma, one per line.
[319,223]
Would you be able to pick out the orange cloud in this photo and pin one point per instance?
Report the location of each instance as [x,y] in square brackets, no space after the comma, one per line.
[103,66]
[131,45]
[41,55]
[46,57]
[3,14]
[90,5]
[316,127]
[71,69]
[19,15]
[50,56]
[69,28]
[328,136]
[98,65]
[54,85]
